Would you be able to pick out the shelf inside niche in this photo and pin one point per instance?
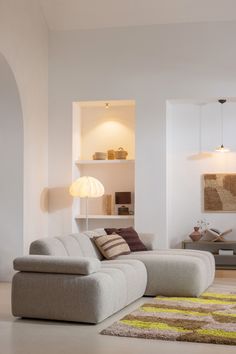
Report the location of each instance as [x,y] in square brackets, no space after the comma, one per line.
[81,217]
[96,128]
[103,162]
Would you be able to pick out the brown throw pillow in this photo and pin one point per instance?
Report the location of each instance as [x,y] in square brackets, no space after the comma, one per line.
[112,246]
[130,236]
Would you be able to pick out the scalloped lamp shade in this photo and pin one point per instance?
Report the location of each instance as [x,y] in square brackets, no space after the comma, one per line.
[86,186]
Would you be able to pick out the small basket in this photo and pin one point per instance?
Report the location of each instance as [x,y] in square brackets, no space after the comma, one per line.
[111,154]
[121,154]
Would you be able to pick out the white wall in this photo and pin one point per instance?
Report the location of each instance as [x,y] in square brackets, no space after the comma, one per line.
[11,175]
[188,158]
[147,64]
[24,44]
[103,129]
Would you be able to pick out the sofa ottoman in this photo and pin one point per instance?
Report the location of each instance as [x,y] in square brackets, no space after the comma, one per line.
[176,272]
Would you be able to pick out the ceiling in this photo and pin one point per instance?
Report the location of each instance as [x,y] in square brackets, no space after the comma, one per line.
[111,103]
[94,14]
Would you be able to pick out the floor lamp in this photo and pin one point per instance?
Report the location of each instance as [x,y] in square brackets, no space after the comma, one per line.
[86,187]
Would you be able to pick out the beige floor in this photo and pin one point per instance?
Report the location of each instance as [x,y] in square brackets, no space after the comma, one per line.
[41,337]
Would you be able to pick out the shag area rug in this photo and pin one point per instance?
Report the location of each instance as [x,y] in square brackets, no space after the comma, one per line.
[211,318]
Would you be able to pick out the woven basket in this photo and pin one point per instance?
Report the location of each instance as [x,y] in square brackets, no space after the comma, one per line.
[111,154]
[121,154]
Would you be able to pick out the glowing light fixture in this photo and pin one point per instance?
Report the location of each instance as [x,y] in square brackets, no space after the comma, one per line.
[107,105]
[86,187]
[221,148]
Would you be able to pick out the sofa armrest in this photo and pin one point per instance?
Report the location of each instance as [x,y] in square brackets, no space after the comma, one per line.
[149,240]
[53,264]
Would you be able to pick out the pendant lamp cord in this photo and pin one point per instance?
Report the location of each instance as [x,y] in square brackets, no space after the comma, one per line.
[222,125]
[200,128]
[222,101]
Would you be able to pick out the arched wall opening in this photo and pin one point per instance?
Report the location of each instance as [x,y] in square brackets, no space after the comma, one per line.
[11,171]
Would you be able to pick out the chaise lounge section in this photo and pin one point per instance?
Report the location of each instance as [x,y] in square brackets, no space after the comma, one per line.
[176,272]
[66,278]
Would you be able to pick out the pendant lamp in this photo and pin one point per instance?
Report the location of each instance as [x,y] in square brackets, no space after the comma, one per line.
[222,148]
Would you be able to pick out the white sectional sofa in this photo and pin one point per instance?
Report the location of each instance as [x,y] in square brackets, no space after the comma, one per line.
[66,278]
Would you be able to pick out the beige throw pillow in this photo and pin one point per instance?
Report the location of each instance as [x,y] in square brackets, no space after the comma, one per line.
[112,246]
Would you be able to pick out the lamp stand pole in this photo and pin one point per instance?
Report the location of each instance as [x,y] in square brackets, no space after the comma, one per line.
[86,213]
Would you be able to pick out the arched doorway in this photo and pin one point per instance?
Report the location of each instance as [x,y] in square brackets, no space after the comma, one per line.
[11,171]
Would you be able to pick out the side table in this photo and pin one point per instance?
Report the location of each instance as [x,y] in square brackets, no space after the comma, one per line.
[222,261]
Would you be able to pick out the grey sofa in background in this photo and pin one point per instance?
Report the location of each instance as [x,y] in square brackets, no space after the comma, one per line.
[66,278]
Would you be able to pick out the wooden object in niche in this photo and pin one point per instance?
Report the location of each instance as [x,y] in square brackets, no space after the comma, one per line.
[107,202]
[111,154]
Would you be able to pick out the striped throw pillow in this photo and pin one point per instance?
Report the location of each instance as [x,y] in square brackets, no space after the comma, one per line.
[112,246]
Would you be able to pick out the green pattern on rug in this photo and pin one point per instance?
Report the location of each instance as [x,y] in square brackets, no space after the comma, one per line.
[211,318]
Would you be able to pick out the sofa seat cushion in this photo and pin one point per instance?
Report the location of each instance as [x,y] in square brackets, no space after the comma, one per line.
[176,272]
[133,279]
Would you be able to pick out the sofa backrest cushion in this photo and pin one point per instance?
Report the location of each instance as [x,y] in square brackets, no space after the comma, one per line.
[75,245]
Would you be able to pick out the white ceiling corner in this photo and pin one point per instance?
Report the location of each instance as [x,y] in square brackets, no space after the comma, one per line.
[95,14]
